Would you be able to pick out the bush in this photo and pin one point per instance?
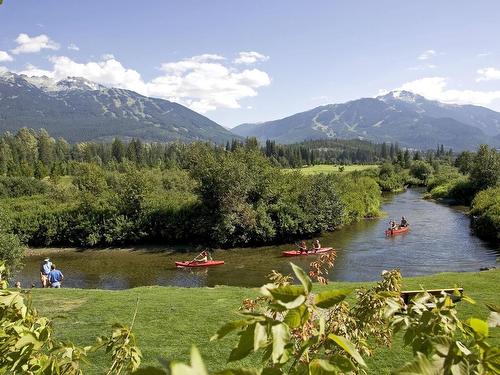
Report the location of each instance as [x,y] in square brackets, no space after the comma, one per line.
[11,187]
[11,249]
[486,213]
[421,170]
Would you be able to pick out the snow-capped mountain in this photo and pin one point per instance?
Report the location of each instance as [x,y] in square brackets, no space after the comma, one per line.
[398,116]
[81,110]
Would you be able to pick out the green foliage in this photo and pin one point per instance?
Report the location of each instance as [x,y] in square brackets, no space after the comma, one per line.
[89,178]
[465,162]
[360,195]
[421,170]
[485,212]
[486,168]
[12,187]
[441,342]
[11,249]
[390,178]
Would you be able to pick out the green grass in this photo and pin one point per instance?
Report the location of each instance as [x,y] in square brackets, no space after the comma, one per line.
[326,168]
[170,319]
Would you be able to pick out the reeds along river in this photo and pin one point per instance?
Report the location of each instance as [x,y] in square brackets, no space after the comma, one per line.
[439,240]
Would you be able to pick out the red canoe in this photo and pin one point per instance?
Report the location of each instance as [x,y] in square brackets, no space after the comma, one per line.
[297,253]
[392,232]
[199,264]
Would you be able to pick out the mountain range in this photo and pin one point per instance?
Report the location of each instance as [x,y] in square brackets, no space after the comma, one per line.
[80,110]
[398,116]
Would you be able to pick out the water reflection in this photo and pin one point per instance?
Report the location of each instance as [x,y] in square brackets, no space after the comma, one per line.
[439,240]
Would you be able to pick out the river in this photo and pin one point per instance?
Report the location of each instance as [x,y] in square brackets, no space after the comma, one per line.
[439,240]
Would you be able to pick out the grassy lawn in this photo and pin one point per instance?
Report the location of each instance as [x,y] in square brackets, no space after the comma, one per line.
[170,320]
[326,168]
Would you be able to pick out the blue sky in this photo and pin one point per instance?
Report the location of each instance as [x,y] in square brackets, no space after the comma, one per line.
[248,61]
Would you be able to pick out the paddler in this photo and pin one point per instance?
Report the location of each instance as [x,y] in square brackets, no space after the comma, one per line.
[316,245]
[202,257]
[404,222]
[303,247]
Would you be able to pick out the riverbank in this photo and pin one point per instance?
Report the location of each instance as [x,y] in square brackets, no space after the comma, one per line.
[171,319]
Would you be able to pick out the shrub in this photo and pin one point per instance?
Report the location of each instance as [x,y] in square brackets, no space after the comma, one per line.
[485,213]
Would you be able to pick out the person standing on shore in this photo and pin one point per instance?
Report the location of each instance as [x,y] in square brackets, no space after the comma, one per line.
[45,269]
[55,277]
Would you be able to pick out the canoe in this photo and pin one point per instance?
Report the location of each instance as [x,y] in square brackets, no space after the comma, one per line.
[209,263]
[393,232]
[297,253]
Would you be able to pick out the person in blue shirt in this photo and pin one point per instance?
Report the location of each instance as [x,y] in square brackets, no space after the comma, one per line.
[45,269]
[55,277]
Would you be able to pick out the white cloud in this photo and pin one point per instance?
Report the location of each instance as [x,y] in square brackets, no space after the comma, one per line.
[4,56]
[27,44]
[251,57]
[31,70]
[426,55]
[488,74]
[436,88]
[484,54]
[3,69]
[107,56]
[423,67]
[203,83]
[73,47]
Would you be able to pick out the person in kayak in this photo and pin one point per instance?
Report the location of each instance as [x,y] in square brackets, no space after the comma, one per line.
[393,225]
[202,257]
[316,245]
[303,247]
[404,222]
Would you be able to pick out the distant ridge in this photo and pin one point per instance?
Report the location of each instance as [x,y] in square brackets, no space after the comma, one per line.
[81,110]
[398,116]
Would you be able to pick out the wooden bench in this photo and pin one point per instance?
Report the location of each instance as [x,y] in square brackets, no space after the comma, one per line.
[407,295]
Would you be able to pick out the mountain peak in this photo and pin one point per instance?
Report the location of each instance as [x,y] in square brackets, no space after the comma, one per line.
[402,95]
[78,83]
[49,84]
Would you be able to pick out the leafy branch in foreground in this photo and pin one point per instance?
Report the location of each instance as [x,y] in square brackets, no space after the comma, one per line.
[300,332]
[441,342]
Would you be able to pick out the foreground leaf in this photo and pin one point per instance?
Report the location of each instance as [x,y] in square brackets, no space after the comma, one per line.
[480,327]
[303,278]
[229,327]
[330,298]
[281,337]
[296,317]
[420,366]
[349,348]
[245,345]
[322,367]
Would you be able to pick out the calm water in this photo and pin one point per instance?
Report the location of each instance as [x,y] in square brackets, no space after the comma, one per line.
[439,240]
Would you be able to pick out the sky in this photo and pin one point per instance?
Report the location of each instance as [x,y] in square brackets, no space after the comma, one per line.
[250,61]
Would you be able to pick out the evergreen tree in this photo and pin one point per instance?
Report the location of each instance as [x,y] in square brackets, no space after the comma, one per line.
[118,150]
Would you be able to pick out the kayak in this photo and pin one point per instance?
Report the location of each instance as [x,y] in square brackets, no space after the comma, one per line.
[392,232]
[297,253]
[208,263]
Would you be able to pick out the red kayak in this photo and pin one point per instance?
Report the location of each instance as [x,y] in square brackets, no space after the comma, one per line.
[208,263]
[393,232]
[297,253]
